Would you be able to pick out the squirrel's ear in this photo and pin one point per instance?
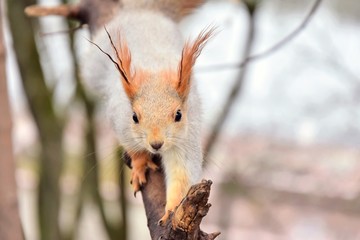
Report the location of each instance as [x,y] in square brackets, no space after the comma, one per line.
[189,55]
[123,65]
[124,62]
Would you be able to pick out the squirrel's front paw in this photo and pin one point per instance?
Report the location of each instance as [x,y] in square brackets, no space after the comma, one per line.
[140,163]
[175,193]
[137,179]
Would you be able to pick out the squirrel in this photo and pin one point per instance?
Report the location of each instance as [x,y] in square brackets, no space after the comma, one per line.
[151,99]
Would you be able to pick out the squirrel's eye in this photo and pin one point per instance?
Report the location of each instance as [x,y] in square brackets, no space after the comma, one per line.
[135,118]
[178,116]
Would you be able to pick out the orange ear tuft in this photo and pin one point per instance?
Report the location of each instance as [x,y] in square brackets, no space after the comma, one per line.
[123,64]
[124,61]
[189,55]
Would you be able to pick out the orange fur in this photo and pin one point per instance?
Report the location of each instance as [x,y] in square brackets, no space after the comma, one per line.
[124,58]
[155,136]
[140,161]
[172,77]
[140,77]
[189,55]
[155,132]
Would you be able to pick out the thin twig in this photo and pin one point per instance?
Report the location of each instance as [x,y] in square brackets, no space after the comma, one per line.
[70,30]
[277,46]
[234,91]
[107,54]
[238,85]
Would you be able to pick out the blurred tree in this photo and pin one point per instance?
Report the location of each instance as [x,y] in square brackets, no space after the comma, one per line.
[48,124]
[251,7]
[90,187]
[10,227]
[50,127]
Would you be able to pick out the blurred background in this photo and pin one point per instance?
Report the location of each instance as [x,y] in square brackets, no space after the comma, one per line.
[281,133]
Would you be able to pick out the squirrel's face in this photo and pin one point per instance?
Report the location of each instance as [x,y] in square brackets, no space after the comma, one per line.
[159,118]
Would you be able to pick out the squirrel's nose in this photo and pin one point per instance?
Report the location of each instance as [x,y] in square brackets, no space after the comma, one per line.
[156,145]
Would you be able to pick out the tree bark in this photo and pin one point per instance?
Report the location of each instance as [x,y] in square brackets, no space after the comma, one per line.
[185,222]
[10,226]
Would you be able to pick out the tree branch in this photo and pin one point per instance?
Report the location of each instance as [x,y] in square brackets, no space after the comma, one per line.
[219,122]
[68,11]
[236,89]
[185,222]
[95,13]
[81,13]
[277,46]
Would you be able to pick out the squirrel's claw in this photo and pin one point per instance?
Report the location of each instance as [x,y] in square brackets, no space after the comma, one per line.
[137,180]
[164,218]
[152,165]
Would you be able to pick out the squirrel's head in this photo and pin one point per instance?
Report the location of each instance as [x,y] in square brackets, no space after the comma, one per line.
[159,118]
[159,99]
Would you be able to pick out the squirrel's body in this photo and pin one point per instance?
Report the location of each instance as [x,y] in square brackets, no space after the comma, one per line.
[153,104]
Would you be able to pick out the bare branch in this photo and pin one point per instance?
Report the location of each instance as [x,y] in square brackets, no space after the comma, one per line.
[95,13]
[277,46]
[69,11]
[185,222]
[70,30]
[238,85]
[219,122]
[107,54]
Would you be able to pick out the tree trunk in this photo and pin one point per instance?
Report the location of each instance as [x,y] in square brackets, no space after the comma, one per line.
[48,125]
[10,227]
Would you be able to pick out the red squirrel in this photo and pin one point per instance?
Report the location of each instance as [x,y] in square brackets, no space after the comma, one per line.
[151,97]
